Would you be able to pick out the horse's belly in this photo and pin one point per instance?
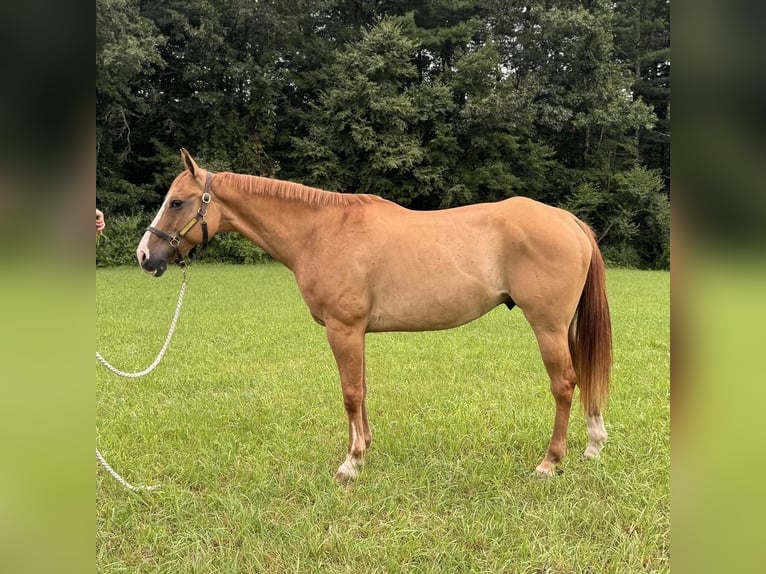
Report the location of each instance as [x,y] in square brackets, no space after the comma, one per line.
[431,305]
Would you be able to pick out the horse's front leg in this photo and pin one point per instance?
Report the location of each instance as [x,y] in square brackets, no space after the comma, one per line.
[347,344]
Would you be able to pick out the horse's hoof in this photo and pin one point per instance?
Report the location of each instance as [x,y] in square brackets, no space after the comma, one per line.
[347,472]
[592,452]
[342,478]
[544,471]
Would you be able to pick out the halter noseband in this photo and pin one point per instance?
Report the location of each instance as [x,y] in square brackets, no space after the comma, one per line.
[175,240]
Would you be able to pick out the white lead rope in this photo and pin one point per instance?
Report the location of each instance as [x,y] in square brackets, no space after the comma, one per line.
[164,348]
[149,369]
[122,481]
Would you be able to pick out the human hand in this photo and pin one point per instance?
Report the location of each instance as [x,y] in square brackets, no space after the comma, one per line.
[100,223]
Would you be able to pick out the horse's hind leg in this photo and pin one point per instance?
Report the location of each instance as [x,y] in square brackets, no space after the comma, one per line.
[596,435]
[554,348]
[595,422]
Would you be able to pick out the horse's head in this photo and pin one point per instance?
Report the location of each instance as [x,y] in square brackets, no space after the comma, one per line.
[185,220]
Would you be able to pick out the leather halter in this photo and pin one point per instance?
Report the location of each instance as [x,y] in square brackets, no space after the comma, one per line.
[175,240]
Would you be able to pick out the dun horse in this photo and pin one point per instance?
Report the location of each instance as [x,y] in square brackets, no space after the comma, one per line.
[364,264]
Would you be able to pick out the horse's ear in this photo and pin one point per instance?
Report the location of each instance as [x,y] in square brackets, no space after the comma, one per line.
[189,162]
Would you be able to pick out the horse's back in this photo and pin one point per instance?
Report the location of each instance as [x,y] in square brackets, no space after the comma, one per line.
[510,230]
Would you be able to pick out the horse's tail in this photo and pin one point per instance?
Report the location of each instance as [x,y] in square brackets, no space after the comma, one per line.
[591,346]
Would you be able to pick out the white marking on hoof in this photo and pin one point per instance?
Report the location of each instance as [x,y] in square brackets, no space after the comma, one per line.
[596,436]
[592,451]
[347,471]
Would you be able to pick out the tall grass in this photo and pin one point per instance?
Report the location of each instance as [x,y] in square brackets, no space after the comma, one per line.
[243,426]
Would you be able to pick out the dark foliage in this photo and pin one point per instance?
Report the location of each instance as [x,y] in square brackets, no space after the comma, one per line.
[430,103]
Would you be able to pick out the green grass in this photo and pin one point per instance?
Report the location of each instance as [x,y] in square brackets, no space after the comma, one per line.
[243,426]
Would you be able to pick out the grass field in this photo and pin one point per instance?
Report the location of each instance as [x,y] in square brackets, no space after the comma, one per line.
[243,426]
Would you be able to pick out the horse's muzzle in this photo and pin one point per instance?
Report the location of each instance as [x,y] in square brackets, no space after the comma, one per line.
[153,266]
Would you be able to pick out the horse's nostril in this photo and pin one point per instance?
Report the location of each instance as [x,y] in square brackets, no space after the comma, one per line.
[142,256]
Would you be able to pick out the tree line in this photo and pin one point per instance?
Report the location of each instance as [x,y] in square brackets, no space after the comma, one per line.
[429,103]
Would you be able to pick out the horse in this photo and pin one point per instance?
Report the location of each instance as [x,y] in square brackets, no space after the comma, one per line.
[364,264]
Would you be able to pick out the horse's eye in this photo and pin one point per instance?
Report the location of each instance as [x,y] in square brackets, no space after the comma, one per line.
[176,203]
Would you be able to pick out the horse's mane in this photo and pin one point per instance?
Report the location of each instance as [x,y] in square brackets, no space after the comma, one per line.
[253,184]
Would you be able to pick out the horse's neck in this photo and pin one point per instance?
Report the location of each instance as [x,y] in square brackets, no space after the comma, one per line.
[279,225]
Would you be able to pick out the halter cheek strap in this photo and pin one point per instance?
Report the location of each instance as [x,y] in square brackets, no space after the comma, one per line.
[175,240]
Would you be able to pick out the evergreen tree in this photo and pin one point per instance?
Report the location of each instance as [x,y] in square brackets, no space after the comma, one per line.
[370,124]
[127,55]
[431,103]
[642,44]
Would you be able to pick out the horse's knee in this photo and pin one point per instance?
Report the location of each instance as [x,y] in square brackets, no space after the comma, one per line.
[352,399]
